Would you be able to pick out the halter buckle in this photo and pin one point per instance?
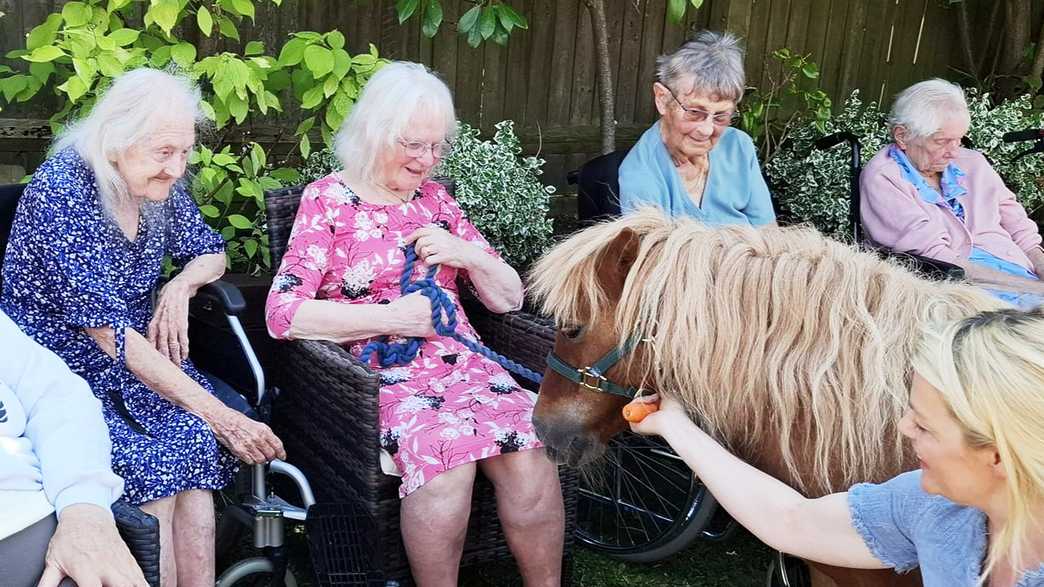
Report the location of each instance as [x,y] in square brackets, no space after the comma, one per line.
[587,374]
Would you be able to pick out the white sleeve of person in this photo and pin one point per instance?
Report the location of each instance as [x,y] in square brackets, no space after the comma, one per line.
[54,444]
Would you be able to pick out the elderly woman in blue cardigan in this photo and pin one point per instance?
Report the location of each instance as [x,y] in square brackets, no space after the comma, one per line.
[692,162]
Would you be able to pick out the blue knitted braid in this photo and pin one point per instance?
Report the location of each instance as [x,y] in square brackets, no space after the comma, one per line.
[444,321]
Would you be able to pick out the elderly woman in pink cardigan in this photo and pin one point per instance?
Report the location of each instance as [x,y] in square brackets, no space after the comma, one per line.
[927,195]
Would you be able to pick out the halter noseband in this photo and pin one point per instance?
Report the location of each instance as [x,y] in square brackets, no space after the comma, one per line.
[593,377]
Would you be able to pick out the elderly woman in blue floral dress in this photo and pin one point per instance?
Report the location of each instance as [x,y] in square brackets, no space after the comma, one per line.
[85,253]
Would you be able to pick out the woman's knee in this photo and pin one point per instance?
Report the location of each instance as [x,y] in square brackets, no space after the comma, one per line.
[444,502]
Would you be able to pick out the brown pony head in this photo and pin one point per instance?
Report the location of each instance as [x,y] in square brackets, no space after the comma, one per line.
[790,348]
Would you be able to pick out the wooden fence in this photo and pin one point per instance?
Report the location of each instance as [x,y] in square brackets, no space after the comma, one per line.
[545,78]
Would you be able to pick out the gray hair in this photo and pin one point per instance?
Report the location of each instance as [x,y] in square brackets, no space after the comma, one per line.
[713,61]
[126,114]
[388,102]
[925,106]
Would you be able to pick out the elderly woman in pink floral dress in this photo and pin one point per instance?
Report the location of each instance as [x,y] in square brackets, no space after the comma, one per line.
[449,410]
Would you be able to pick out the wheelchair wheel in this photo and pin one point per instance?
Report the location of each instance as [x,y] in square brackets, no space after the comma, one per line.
[254,572]
[787,571]
[642,503]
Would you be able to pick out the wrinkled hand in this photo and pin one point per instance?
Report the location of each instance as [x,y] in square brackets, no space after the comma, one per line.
[435,246]
[168,329]
[668,417]
[413,315]
[251,441]
[88,549]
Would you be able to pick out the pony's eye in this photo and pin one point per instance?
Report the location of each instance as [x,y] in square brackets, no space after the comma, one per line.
[572,332]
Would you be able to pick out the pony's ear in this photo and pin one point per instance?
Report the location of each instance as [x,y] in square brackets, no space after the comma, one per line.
[616,261]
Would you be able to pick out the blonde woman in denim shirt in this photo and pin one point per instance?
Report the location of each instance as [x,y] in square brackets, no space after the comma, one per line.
[973,514]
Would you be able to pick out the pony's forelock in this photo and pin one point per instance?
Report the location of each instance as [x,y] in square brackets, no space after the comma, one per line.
[764,331]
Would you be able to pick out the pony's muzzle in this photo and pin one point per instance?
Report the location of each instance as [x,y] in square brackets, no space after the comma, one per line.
[568,442]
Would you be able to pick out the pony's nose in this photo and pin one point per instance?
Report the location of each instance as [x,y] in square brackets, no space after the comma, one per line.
[565,441]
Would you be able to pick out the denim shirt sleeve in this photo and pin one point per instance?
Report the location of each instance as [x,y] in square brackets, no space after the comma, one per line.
[886,516]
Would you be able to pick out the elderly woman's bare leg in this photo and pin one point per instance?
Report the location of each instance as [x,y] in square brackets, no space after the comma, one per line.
[434,522]
[194,538]
[529,501]
[163,509]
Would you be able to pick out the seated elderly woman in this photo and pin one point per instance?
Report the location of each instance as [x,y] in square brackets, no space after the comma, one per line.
[84,256]
[973,514]
[691,162]
[925,194]
[56,481]
[448,410]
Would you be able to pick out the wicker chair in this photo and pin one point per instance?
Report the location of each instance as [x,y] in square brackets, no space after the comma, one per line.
[328,420]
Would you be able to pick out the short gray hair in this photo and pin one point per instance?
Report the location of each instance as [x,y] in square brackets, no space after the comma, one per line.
[713,61]
[388,101]
[925,106]
[123,116]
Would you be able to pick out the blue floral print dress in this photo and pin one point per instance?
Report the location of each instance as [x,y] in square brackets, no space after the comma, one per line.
[68,267]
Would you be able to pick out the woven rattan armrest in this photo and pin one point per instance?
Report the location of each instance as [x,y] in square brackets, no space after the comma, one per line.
[329,406]
[519,336]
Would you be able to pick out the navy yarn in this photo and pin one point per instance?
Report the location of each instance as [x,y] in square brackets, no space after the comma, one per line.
[444,320]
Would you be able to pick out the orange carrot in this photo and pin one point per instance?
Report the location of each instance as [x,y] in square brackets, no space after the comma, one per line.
[636,411]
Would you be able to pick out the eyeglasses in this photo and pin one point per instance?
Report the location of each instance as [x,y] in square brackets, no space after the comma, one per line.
[418,148]
[697,115]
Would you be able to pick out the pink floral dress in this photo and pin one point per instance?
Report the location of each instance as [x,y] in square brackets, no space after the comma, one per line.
[447,407]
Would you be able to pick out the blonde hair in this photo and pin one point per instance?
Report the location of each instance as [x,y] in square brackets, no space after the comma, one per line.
[774,335]
[124,115]
[989,369]
[389,100]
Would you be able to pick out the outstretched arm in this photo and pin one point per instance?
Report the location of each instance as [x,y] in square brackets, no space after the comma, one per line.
[815,529]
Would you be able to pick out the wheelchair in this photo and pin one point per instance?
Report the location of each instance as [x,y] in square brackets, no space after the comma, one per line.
[259,511]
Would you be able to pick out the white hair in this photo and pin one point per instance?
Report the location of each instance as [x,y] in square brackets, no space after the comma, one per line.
[712,62]
[391,98]
[924,107]
[129,111]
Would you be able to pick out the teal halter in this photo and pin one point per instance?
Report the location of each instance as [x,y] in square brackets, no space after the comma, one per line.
[593,377]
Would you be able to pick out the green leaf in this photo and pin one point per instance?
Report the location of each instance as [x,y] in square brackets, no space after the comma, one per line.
[335,39]
[341,103]
[204,21]
[76,14]
[696,4]
[500,36]
[342,63]
[364,60]
[312,97]
[45,54]
[305,125]
[164,13]
[292,52]
[305,146]
[238,108]
[85,70]
[12,86]
[257,155]
[286,175]
[45,33]
[124,37]
[115,5]
[505,11]
[227,28]
[160,57]
[333,118]
[254,48]
[74,87]
[319,60]
[244,7]
[330,86]
[474,37]
[184,54]
[469,19]
[676,10]
[111,67]
[42,71]
[240,221]
[250,246]
[488,22]
[432,18]
[208,210]
[810,70]
[406,8]
[223,159]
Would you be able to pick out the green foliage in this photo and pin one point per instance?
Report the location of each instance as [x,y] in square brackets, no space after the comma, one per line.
[676,9]
[790,98]
[77,52]
[812,185]
[230,189]
[486,20]
[498,188]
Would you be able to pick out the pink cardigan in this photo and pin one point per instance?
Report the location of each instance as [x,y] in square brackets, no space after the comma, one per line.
[895,216]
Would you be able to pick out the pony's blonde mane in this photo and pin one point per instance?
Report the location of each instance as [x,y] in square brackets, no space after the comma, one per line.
[764,331]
